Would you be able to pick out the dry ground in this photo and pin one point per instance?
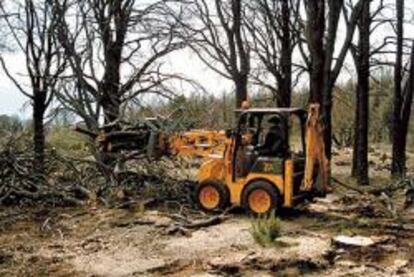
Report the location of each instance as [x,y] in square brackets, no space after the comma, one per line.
[115,242]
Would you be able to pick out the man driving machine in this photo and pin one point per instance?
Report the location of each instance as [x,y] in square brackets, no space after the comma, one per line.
[275,141]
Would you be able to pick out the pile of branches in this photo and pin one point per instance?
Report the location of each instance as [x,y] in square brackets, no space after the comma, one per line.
[165,180]
[62,184]
[383,201]
[73,181]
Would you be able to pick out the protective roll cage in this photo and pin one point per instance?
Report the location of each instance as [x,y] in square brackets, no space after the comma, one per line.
[283,113]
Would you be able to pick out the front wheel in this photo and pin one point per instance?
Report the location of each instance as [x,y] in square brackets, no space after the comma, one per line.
[212,195]
[260,198]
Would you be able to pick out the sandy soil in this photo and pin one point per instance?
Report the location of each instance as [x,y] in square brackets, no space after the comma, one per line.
[114,243]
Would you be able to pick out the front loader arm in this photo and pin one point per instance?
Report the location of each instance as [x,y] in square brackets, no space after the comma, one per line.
[316,160]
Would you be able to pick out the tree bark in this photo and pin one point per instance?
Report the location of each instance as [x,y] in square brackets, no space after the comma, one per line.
[315,35]
[398,141]
[111,104]
[241,90]
[242,54]
[110,90]
[329,77]
[361,58]
[286,57]
[39,109]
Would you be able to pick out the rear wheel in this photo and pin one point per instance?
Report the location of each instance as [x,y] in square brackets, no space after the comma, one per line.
[260,198]
[212,195]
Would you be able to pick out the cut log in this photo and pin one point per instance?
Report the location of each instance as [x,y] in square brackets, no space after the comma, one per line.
[359,241]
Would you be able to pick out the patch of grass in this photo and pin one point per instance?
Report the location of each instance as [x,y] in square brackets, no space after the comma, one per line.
[68,142]
[346,230]
[265,230]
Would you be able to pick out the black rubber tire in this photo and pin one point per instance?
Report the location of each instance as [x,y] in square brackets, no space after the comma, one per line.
[223,193]
[266,186]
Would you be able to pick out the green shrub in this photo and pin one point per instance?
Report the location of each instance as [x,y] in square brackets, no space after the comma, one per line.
[266,229]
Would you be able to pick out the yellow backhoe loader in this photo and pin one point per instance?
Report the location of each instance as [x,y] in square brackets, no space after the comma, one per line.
[274,157]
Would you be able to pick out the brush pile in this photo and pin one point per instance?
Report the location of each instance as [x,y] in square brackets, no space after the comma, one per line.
[62,184]
[70,182]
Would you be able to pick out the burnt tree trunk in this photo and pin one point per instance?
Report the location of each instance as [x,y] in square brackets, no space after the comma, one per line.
[361,58]
[315,36]
[111,96]
[111,107]
[239,53]
[324,68]
[328,74]
[111,100]
[399,145]
[241,90]
[398,136]
[285,83]
[39,109]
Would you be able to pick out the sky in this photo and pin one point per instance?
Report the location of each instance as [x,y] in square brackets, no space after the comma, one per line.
[12,102]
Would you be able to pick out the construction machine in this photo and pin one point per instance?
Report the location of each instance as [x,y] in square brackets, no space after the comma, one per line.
[274,157]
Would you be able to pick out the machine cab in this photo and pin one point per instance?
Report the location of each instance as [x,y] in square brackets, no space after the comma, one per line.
[265,138]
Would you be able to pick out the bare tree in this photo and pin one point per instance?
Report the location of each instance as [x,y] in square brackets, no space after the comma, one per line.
[365,59]
[320,32]
[32,29]
[402,98]
[214,31]
[270,24]
[361,56]
[115,50]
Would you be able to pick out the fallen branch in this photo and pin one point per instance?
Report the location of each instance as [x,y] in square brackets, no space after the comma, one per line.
[144,204]
[215,220]
[347,186]
[134,222]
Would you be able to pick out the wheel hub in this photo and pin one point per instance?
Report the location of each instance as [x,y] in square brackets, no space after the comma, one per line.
[260,201]
[209,197]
